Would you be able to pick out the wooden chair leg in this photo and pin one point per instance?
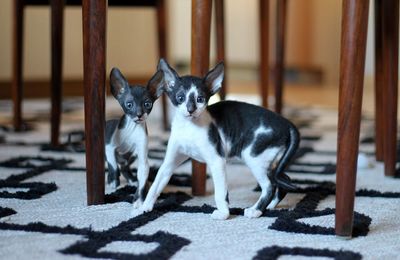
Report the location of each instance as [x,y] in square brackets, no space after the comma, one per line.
[352,60]
[280,53]
[201,26]
[390,54]
[94,50]
[264,46]
[220,40]
[17,87]
[57,17]
[162,52]
[379,116]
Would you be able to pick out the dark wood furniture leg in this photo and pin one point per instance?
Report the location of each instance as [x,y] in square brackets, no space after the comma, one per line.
[201,26]
[220,40]
[264,46]
[162,52]
[94,50]
[57,19]
[352,60]
[17,87]
[390,55]
[379,116]
[280,53]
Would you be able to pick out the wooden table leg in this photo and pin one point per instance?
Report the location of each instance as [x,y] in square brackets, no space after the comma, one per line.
[162,52]
[220,39]
[379,116]
[201,26]
[264,46]
[352,60]
[57,19]
[17,87]
[280,53]
[94,51]
[390,56]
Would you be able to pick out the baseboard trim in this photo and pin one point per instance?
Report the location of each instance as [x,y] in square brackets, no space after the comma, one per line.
[71,87]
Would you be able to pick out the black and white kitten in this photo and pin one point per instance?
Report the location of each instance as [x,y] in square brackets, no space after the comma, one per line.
[126,138]
[264,140]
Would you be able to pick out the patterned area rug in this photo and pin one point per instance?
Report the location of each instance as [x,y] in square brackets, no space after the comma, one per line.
[43,211]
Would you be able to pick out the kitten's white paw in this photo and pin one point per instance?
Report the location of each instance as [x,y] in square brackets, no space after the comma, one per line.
[140,208]
[252,213]
[135,212]
[220,215]
[137,204]
[146,207]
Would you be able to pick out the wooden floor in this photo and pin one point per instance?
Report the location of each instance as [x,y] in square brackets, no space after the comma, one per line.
[307,95]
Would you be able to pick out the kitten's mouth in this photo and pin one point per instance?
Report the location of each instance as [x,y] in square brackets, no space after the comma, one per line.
[139,120]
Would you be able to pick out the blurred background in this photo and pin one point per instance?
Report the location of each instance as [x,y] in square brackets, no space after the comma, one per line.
[312,52]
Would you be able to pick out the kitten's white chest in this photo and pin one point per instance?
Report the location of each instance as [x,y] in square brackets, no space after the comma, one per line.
[127,139]
[192,137]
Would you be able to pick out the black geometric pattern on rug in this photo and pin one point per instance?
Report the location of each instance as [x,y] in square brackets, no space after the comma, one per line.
[36,166]
[168,244]
[310,138]
[4,212]
[307,208]
[312,168]
[37,189]
[274,252]
[315,192]
[94,241]
[371,140]
[287,220]
[75,143]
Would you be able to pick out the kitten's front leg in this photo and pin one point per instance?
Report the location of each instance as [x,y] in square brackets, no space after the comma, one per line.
[142,175]
[113,171]
[142,172]
[172,160]
[113,176]
[218,171]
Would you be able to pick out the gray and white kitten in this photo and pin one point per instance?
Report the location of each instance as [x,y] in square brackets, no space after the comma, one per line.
[126,138]
[264,140]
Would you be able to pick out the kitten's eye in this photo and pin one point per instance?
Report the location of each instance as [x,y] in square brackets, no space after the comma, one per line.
[200,99]
[129,105]
[148,104]
[180,99]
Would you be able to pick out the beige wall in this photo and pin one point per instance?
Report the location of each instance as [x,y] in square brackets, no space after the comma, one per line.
[313,37]
[131,41]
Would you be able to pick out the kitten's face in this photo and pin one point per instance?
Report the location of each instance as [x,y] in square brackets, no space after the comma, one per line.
[190,94]
[136,101]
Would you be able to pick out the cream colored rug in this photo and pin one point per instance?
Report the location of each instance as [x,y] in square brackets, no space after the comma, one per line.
[44,215]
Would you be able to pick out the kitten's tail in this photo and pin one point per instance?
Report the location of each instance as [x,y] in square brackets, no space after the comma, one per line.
[281,180]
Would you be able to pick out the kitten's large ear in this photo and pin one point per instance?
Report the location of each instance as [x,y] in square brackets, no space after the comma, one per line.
[118,83]
[156,84]
[214,78]
[170,75]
